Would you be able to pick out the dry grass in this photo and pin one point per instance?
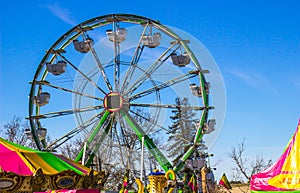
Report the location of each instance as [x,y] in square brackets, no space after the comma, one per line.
[236,188]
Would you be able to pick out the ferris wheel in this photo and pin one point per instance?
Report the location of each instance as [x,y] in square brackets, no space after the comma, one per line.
[129,88]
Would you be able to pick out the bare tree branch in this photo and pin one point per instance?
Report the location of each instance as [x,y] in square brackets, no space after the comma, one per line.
[242,164]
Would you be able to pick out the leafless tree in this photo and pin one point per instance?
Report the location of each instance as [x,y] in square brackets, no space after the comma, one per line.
[70,149]
[243,166]
[14,131]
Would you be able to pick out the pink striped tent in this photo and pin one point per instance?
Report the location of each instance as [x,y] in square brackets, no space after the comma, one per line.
[25,161]
[284,175]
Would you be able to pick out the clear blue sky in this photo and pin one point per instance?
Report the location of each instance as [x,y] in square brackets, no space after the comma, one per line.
[256,45]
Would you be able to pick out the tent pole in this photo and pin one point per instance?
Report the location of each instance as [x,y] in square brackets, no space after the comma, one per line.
[142,159]
[84,150]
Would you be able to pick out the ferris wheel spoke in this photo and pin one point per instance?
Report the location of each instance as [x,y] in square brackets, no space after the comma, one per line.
[120,143]
[67,112]
[159,126]
[129,139]
[94,133]
[82,74]
[124,132]
[163,85]
[135,59]
[98,62]
[95,144]
[46,83]
[154,66]
[160,158]
[116,56]
[58,142]
[171,106]
[96,58]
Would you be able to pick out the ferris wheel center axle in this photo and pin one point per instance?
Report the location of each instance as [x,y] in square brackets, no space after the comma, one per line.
[113,102]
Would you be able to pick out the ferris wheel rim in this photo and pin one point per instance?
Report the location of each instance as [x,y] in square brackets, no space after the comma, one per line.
[134,19]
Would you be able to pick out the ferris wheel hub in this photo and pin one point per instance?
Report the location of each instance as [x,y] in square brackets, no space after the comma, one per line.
[113,102]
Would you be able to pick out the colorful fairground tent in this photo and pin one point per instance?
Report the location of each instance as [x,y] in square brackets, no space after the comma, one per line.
[284,174]
[25,161]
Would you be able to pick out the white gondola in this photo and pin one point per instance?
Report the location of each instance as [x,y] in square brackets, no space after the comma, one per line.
[83,46]
[180,60]
[58,68]
[42,99]
[197,91]
[209,127]
[117,36]
[41,133]
[28,133]
[196,163]
[151,41]
[207,87]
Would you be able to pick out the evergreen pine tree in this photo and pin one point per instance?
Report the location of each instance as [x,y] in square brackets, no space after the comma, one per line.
[183,129]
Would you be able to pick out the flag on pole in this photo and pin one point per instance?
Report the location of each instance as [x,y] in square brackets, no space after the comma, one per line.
[192,184]
[125,184]
[224,182]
